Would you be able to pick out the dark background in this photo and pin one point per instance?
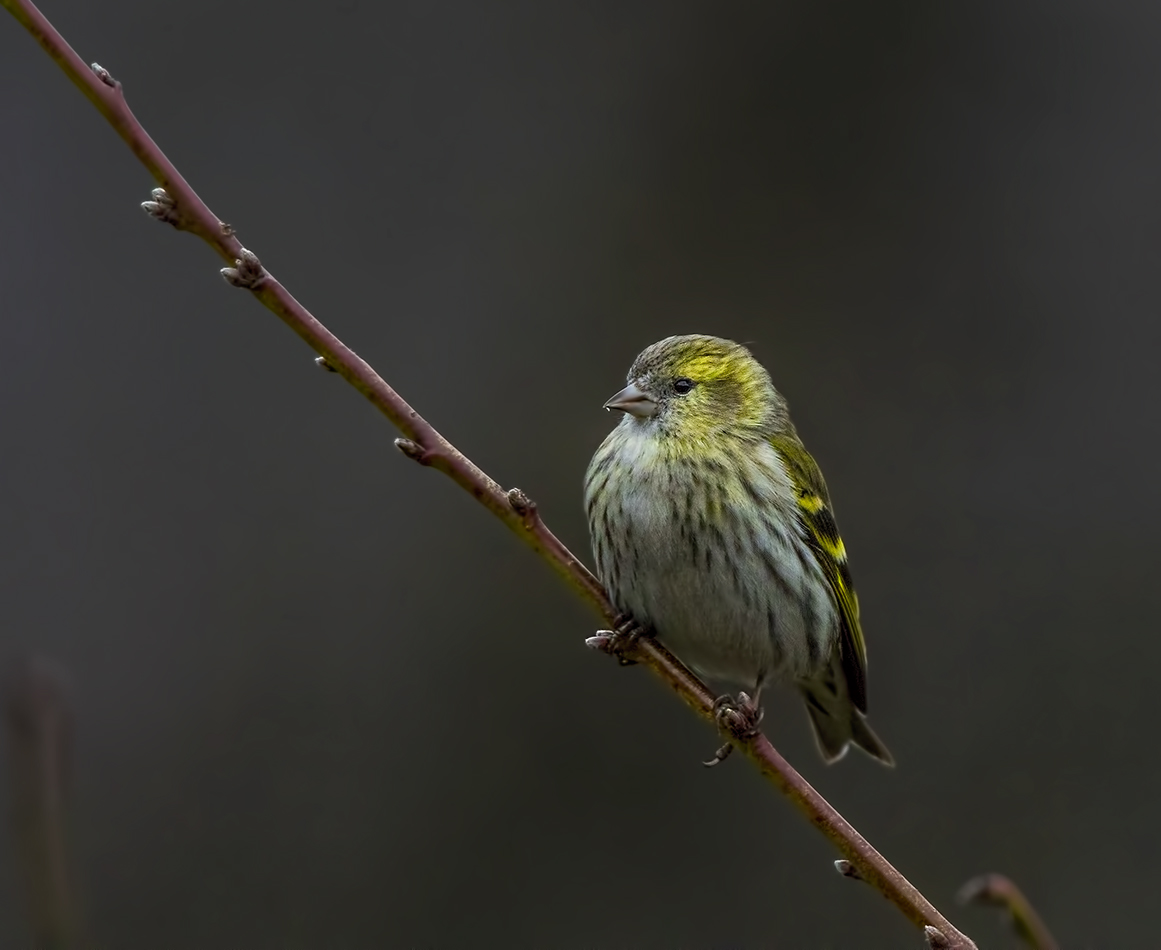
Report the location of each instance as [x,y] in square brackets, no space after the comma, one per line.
[322,699]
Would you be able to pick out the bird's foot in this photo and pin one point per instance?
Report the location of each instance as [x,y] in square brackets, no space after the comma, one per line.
[739,717]
[621,641]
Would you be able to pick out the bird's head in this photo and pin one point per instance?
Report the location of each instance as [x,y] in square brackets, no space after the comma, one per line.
[697,386]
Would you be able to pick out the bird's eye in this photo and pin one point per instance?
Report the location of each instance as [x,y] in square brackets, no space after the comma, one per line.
[682,385]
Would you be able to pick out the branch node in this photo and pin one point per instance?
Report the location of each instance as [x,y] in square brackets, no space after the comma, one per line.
[104,75]
[226,229]
[935,938]
[247,272]
[164,209]
[413,450]
[321,362]
[524,506]
[846,869]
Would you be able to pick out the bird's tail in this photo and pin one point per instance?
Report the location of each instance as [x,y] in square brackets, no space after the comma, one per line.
[836,721]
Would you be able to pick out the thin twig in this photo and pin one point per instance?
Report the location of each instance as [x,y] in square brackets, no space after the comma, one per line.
[996,890]
[180,206]
[38,724]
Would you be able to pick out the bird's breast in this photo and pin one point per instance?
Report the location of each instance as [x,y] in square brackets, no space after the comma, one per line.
[705,546]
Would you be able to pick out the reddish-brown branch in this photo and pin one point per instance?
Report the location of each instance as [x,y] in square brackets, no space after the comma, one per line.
[181,206]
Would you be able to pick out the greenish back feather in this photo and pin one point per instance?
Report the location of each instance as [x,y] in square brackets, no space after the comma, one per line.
[814,510]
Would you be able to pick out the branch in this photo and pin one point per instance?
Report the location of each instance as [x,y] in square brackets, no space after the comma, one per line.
[998,891]
[177,203]
[37,721]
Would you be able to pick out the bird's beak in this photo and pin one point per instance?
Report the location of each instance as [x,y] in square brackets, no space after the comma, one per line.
[633,401]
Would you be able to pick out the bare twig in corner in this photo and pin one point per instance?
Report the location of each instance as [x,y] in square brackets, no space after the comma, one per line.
[998,891]
[37,721]
[176,203]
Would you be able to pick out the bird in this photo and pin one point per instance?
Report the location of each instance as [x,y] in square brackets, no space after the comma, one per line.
[713,531]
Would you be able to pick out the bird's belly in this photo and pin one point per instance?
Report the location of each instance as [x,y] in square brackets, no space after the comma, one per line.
[742,607]
[698,616]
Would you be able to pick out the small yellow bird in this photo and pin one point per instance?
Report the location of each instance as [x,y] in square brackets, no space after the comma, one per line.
[712,528]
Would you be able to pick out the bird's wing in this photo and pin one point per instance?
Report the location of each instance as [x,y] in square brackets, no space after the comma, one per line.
[814,511]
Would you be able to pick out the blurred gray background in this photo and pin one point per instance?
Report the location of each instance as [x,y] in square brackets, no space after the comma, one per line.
[322,699]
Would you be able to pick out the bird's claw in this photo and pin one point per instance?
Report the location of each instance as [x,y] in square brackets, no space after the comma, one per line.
[621,640]
[739,717]
[721,755]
